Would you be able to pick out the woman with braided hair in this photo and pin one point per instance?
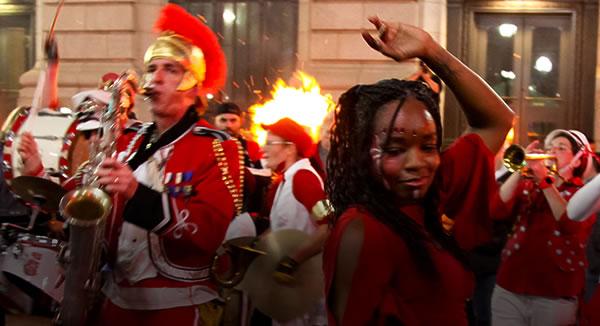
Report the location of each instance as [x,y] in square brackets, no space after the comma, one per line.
[388,259]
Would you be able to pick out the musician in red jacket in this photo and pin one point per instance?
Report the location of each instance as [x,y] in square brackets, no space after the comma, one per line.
[179,184]
[230,118]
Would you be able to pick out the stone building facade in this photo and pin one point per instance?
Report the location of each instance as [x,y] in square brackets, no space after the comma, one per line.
[99,36]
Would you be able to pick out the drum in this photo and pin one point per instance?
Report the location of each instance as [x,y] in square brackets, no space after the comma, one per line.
[61,147]
[33,259]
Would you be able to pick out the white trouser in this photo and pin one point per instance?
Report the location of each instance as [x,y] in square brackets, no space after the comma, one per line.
[511,309]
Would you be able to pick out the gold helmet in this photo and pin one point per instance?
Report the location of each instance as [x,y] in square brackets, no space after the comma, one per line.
[187,40]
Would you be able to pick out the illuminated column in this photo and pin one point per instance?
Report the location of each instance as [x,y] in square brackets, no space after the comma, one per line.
[93,38]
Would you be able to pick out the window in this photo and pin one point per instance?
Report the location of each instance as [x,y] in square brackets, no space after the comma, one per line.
[16,49]
[259,39]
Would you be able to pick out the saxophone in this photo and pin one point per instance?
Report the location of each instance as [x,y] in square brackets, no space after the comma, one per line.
[86,210]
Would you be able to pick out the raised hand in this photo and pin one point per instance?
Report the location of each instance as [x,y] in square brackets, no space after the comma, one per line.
[30,155]
[51,50]
[398,41]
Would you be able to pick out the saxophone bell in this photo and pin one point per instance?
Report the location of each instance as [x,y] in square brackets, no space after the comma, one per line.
[86,206]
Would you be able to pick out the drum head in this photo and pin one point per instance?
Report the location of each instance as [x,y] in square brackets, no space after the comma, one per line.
[34,259]
[78,153]
[54,133]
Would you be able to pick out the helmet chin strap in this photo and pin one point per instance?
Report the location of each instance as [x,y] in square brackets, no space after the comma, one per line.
[187,82]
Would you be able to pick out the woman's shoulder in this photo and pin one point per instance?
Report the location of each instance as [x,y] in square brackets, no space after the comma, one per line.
[466,164]
[360,220]
[467,143]
[357,213]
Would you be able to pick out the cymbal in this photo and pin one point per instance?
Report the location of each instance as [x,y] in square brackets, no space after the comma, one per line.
[38,191]
[279,301]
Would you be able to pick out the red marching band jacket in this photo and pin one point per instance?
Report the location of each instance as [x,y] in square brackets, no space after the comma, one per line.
[169,231]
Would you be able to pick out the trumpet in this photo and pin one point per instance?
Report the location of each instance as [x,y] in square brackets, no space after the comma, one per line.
[515,159]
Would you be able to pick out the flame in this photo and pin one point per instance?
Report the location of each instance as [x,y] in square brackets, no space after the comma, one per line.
[510,136]
[305,105]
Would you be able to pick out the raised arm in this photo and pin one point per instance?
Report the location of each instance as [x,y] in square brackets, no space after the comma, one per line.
[46,93]
[30,155]
[585,202]
[308,191]
[50,97]
[487,114]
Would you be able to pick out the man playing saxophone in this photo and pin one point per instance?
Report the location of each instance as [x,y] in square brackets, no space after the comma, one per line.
[179,184]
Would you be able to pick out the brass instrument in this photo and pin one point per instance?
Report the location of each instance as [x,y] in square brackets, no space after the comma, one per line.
[86,210]
[253,264]
[515,159]
[10,121]
[241,252]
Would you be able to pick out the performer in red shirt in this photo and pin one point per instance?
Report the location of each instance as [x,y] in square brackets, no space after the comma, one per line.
[180,186]
[543,263]
[388,259]
[296,202]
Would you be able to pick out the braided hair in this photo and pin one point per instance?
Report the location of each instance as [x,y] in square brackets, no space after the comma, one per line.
[351,182]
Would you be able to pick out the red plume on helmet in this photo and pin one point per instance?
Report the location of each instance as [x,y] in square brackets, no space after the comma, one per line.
[175,19]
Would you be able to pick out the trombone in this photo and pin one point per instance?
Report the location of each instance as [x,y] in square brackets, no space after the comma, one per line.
[515,159]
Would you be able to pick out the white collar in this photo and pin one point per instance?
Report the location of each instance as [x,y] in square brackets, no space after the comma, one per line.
[298,165]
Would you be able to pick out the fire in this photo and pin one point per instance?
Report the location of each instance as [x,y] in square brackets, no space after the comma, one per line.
[510,136]
[305,105]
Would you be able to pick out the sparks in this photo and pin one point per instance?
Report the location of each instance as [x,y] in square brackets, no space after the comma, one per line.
[305,105]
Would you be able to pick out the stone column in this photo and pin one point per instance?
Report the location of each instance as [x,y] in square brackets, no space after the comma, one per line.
[94,37]
[331,48]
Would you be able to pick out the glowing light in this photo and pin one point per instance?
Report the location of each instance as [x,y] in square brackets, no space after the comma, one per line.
[507,30]
[228,16]
[543,64]
[507,74]
[510,136]
[209,96]
[305,105]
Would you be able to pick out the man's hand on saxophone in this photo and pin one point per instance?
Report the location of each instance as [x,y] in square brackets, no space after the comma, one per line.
[117,178]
